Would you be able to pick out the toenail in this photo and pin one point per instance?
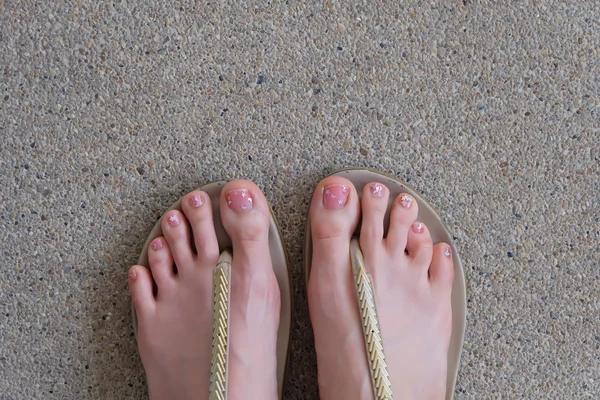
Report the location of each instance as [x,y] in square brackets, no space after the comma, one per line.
[405,200]
[377,189]
[196,201]
[448,252]
[132,275]
[174,220]
[335,196]
[239,200]
[417,227]
[156,244]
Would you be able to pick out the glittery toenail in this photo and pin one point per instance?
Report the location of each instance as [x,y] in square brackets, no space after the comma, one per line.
[156,244]
[448,252]
[335,196]
[405,200]
[196,201]
[417,227]
[239,199]
[376,189]
[174,220]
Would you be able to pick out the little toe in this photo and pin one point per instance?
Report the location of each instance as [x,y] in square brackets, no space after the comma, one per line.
[403,214]
[161,262]
[373,205]
[177,233]
[197,208]
[441,270]
[141,287]
[419,245]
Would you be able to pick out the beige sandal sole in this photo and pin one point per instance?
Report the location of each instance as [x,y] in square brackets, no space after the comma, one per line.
[280,267]
[439,233]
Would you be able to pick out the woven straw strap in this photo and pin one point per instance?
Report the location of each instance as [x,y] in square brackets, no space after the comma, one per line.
[368,313]
[220,339]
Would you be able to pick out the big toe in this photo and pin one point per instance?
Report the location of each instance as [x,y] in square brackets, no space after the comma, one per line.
[255,295]
[332,300]
[334,215]
[246,217]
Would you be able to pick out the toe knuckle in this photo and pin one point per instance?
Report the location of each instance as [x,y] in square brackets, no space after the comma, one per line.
[252,232]
[328,230]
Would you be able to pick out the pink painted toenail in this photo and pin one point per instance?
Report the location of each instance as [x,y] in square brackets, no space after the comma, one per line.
[448,252]
[417,227]
[156,244]
[405,200]
[132,275]
[196,201]
[377,189]
[174,220]
[335,196]
[239,200]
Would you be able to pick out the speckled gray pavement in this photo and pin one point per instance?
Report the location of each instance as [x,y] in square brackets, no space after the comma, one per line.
[110,111]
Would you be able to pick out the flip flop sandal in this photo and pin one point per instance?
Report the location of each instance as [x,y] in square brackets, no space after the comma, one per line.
[221,294]
[364,286]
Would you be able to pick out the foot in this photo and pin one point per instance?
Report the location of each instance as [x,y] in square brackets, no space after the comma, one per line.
[412,280]
[175,321]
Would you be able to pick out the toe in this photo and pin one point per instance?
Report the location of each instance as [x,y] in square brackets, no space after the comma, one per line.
[140,287]
[177,233]
[403,215]
[334,214]
[419,245]
[374,205]
[246,217]
[255,295]
[441,270]
[161,262]
[332,299]
[198,211]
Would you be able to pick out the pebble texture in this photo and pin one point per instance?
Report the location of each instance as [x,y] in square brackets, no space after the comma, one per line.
[110,111]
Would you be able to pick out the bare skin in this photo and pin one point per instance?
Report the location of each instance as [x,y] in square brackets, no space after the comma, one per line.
[174,327]
[412,280]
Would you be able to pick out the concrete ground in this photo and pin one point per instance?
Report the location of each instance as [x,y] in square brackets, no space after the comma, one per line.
[110,111]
